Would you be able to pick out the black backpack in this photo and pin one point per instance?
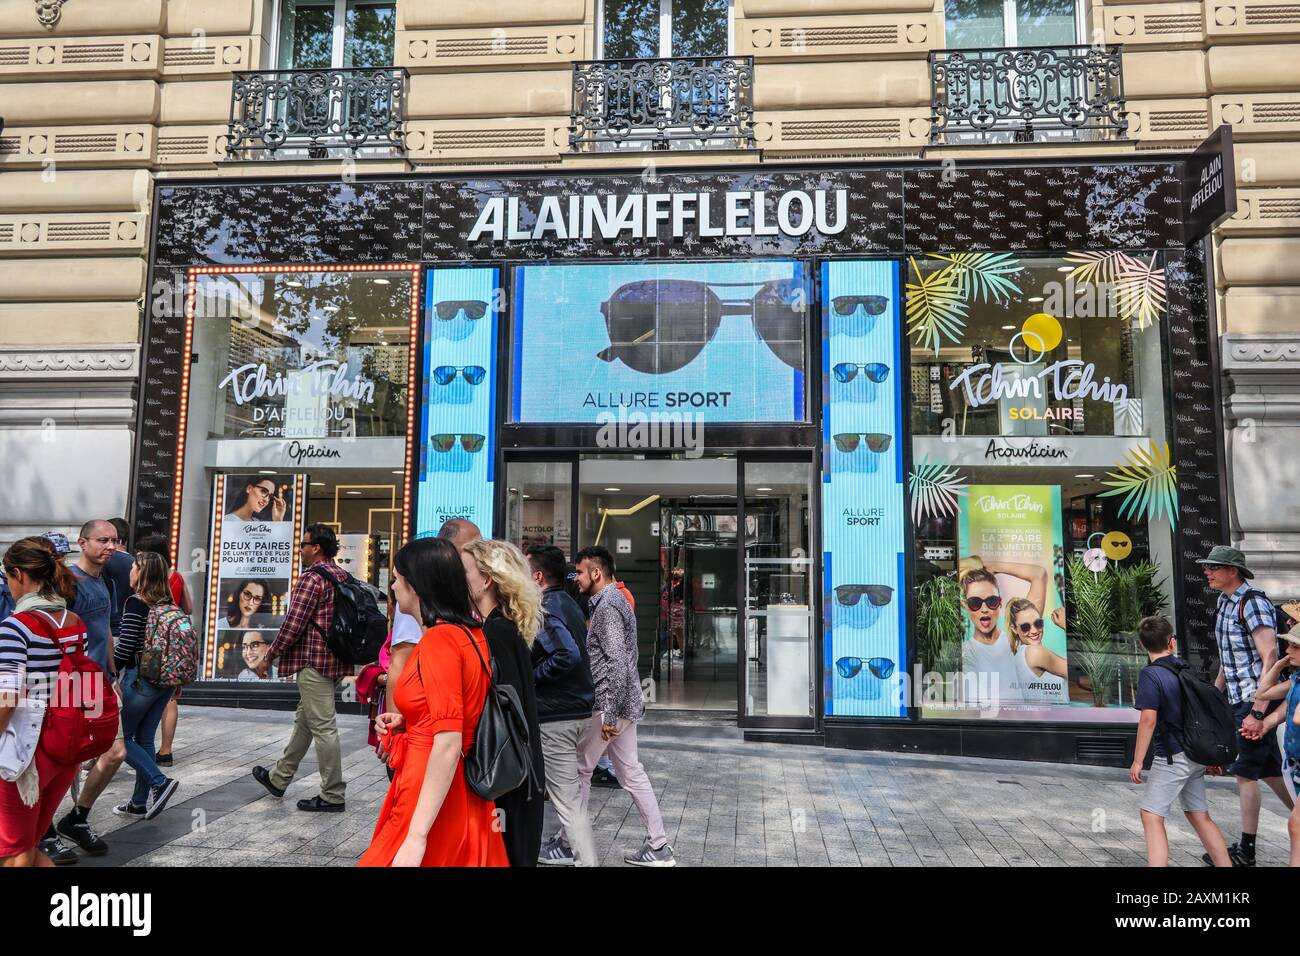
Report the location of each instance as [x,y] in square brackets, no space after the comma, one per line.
[1209,730]
[359,628]
[501,759]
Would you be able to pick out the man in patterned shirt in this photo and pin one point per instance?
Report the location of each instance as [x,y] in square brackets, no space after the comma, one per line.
[612,651]
[301,649]
[1245,630]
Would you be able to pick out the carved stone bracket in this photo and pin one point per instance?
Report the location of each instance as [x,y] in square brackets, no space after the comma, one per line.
[49,12]
[1263,352]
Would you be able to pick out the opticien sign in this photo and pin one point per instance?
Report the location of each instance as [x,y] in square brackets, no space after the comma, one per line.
[639,215]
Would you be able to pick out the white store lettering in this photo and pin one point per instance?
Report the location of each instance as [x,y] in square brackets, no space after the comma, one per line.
[1068,379]
[327,377]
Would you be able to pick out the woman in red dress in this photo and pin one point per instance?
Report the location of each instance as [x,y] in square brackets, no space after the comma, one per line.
[430,816]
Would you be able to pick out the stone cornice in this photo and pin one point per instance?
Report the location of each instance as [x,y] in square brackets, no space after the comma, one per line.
[1264,352]
[75,362]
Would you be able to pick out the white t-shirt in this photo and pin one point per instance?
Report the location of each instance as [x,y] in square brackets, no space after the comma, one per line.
[1045,687]
[994,675]
[406,629]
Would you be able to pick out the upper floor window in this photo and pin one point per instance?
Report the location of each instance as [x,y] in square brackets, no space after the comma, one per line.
[980,24]
[336,34]
[651,29]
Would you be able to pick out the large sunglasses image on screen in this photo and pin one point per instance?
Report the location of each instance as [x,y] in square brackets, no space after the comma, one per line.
[455,385]
[855,315]
[860,605]
[856,382]
[456,319]
[451,452]
[850,667]
[858,452]
[658,326]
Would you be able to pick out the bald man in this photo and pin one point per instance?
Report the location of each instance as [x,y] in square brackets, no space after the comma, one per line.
[460,532]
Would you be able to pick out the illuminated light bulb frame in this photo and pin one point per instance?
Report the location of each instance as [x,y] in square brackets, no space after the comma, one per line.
[187,353]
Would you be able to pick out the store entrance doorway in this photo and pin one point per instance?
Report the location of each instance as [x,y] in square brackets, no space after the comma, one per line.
[696,657]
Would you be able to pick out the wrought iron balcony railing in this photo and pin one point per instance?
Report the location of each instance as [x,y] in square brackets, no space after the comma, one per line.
[1027,95]
[682,101]
[317,111]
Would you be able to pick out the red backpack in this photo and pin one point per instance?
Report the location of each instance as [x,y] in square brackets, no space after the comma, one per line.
[81,721]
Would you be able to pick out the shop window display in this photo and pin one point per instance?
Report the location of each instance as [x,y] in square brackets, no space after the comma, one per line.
[299,396]
[1042,486]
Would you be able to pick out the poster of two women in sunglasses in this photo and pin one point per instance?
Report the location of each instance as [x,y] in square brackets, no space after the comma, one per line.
[1004,648]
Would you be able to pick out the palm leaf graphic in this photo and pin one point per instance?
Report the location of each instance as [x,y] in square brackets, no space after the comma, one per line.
[934,489]
[1148,480]
[983,274]
[1098,267]
[935,308]
[1140,291]
[1128,416]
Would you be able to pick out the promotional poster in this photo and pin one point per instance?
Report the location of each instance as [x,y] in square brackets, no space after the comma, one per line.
[1011,573]
[456,457]
[862,474]
[718,342]
[257,521]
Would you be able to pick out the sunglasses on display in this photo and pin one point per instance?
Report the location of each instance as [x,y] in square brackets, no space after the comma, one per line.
[658,326]
[1028,626]
[881,667]
[848,371]
[850,441]
[445,443]
[473,309]
[992,603]
[848,304]
[446,374]
[877,594]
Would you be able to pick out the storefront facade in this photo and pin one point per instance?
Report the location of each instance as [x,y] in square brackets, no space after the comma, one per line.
[890,456]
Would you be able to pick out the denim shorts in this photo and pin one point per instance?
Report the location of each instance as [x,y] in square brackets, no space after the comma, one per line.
[1166,782]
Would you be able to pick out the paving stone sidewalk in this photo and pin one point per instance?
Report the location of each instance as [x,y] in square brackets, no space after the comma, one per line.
[725,803]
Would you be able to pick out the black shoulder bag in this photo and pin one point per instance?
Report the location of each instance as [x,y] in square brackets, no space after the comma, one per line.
[501,758]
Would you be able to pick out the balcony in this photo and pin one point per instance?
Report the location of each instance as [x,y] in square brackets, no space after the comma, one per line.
[1027,95]
[317,114]
[677,103]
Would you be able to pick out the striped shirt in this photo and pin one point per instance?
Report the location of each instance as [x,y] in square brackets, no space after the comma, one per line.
[28,660]
[1242,665]
[130,637]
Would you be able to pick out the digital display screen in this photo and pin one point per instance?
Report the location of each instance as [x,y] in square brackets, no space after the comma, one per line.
[712,342]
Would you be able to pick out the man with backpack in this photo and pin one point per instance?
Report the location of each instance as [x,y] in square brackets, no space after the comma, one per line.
[302,650]
[1174,774]
[565,699]
[1245,629]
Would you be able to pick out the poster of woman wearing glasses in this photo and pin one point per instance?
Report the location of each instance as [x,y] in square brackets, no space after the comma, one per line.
[257,520]
[1014,652]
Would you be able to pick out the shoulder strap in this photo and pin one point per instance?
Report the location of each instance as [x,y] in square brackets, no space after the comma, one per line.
[490,671]
[1174,667]
[45,624]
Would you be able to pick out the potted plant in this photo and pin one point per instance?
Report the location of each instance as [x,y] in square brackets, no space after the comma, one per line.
[939,627]
[1136,592]
[1091,630]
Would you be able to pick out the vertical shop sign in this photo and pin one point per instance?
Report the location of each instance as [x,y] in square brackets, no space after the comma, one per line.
[257,520]
[865,604]
[456,456]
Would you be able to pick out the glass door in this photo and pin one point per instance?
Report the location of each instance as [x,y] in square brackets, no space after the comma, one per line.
[777,592]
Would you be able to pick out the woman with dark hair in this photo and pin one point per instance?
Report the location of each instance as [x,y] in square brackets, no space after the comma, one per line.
[430,816]
[143,703]
[250,601]
[29,660]
[157,543]
[255,495]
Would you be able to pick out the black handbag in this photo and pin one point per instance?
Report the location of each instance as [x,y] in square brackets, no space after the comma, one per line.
[501,758]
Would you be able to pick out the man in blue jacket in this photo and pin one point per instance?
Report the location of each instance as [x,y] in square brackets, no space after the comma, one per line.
[565,697]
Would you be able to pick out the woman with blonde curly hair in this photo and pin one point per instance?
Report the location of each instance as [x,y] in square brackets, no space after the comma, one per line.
[508,600]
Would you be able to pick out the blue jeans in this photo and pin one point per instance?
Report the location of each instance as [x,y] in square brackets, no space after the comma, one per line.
[142,710]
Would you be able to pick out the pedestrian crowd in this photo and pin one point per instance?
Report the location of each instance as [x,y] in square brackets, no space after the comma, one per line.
[505,680]
[93,655]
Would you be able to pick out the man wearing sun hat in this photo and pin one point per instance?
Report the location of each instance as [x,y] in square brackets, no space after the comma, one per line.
[1245,630]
